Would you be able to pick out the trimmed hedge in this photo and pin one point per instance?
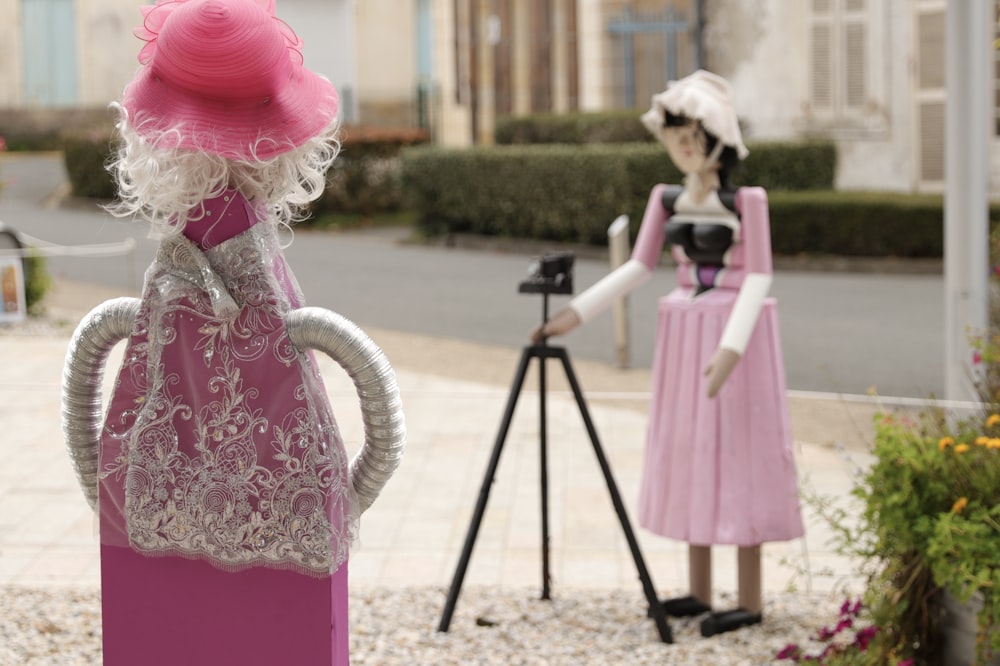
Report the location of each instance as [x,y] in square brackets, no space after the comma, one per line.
[564,193]
[365,177]
[860,224]
[781,166]
[569,193]
[85,156]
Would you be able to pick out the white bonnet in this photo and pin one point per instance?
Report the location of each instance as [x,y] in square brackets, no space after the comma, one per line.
[701,96]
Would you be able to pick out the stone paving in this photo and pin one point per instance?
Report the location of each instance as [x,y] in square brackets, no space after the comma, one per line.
[454,394]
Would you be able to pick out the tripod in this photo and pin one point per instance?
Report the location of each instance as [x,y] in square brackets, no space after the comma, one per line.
[542,352]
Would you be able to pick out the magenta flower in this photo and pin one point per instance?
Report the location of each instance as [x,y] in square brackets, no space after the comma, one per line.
[790,651]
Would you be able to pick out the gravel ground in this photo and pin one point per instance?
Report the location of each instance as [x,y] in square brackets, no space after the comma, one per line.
[398,627]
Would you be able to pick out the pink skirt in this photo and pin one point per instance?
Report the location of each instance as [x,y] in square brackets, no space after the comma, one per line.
[718,470]
[197,615]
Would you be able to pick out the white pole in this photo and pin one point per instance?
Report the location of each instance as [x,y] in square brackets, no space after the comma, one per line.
[968,54]
[618,253]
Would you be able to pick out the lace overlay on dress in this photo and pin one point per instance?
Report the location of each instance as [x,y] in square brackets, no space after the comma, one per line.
[220,443]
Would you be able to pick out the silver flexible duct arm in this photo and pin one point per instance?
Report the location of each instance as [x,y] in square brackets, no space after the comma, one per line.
[375,382]
[83,375]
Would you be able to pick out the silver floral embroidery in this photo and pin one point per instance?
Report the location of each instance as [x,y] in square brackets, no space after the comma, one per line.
[223,444]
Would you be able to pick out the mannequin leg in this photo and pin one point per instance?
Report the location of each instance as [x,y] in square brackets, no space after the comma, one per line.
[700,573]
[700,584]
[749,571]
[748,610]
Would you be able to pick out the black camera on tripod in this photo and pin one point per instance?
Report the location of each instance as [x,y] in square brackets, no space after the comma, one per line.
[552,273]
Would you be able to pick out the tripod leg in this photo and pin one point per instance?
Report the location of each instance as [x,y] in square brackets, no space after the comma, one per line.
[484,491]
[656,609]
[543,465]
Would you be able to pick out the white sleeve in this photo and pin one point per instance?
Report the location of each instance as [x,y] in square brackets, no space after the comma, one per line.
[745,312]
[617,283]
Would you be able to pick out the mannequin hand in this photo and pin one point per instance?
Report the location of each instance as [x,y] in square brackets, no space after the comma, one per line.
[563,321]
[719,368]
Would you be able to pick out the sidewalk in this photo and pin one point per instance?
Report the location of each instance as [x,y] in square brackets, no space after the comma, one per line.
[453,394]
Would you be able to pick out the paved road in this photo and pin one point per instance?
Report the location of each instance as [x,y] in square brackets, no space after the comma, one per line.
[842,332]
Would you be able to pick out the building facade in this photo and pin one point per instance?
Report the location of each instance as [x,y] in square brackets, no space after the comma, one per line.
[868,74]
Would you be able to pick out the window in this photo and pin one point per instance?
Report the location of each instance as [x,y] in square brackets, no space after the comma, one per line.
[50,59]
[840,33]
[929,91]
[996,72]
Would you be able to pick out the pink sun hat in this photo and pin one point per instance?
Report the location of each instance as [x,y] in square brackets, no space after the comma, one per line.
[225,77]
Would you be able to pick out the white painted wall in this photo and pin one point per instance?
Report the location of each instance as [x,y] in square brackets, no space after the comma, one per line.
[453,121]
[886,157]
[761,47]
[591,57]
[328,31]
[11,70]
[387,50]
[108,51]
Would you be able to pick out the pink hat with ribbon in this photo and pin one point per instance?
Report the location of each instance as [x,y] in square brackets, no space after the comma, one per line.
[225,77]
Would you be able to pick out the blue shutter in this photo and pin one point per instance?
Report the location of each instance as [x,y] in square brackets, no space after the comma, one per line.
[50,63]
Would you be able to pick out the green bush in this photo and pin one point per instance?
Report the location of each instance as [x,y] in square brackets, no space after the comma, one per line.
[85,156]
[809,165]
[365,177]
[875,224]
[36,140]
[576,128]
[560,192]
[37,281]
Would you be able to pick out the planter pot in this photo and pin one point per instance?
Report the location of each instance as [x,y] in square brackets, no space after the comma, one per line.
[959,629]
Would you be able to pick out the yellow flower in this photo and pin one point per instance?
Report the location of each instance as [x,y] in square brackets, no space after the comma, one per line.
[959,504]
[944,443]
[961,448]
[992,420]
[994,443]
[982,440]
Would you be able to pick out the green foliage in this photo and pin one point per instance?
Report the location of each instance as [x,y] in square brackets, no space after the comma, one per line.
[86,155]
[875,224]
[37,281]
[935,497]
[781,166]
[560,193]
[37,140]
[550,192]
[365,179]
[576,128]
[927,521]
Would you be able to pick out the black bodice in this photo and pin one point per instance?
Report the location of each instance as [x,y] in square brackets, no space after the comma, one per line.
[705,244]
[702,243]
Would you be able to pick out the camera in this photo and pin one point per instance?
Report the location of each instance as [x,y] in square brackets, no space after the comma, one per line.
[552,273]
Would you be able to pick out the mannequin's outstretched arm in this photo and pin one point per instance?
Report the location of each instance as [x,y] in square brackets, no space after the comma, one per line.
[752,204]
[621,281]
[740,325]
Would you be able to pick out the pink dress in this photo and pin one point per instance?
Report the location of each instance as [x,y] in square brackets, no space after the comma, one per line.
[717,470]
[225,507]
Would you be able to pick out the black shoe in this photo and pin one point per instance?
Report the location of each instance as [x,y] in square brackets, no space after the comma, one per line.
[718,623]
[683,607]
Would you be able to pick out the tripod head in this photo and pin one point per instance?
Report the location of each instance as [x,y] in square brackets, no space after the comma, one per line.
[552,273]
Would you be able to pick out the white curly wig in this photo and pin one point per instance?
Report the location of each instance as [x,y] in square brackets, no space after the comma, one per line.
[166,186]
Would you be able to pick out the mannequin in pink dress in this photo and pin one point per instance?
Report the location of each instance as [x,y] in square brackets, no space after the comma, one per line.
[719,465]
[226,498]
